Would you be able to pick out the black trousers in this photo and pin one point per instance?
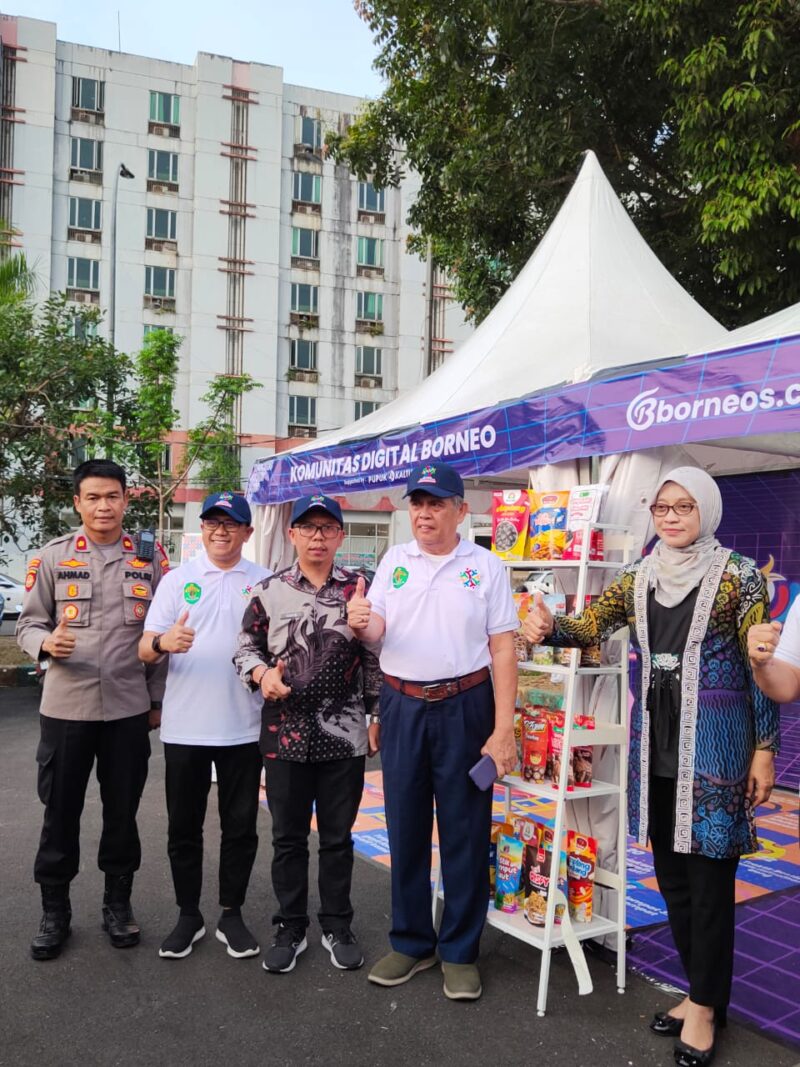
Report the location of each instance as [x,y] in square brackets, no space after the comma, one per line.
[293,789]
[700,894]
[66,754]
[188,781]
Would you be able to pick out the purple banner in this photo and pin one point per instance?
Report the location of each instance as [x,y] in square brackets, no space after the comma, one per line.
[737,393]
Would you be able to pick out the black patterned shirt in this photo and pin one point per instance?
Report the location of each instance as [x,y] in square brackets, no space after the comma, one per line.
[335,680]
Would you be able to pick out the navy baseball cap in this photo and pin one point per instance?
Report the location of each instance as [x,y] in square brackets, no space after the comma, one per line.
[435,478]
[314,502]
[231,503]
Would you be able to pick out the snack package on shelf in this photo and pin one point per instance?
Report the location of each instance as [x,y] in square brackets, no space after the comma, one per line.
[582,766]
[534,745]
[557,750]
[497,829]
[535,880]
[584,504]
[541,690]
[581,865]
[509,873]
[561,878]
[583,722]
[548,526]
[511,510]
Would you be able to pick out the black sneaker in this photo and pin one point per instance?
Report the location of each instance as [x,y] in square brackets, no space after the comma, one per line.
[232,932]
[289,942]
[344,949]
[178,944]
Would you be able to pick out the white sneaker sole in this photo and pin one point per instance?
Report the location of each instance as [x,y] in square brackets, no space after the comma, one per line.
[232,952]
[186,952]
[421,965]
[326,944]
[285,970]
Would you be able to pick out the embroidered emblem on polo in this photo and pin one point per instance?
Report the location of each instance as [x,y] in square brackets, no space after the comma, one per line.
[247,590]
[141,590]
[428,474]
[81,544]
[139,611]
[399,577]
[72,590]
[470,578]
[192,592]
[127,544]
[71,612]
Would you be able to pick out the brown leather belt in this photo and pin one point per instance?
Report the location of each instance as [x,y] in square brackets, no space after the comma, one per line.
[438,690]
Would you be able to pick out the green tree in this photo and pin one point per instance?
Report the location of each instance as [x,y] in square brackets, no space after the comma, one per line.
[55,374]
[17,278]
[492,103]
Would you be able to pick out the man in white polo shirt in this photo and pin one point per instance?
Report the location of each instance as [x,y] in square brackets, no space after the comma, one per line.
[444,609]
[208,717]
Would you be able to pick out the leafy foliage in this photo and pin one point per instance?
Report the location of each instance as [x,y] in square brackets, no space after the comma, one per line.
[493,102]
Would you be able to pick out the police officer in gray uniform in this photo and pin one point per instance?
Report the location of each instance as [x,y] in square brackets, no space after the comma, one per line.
[86,598]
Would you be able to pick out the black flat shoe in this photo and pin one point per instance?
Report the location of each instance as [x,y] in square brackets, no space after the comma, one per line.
[666,1025]
[686,1056]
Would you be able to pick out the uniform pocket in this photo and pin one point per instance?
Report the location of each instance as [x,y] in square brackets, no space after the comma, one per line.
[136,601]
[45,758]
[74,602]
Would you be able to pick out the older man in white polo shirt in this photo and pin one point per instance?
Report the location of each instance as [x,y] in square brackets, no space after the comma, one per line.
[444,609]
[208,717]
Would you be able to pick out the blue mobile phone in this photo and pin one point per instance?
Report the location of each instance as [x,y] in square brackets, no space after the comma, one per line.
[484,772]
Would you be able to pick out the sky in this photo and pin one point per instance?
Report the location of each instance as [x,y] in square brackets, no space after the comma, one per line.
[319,43]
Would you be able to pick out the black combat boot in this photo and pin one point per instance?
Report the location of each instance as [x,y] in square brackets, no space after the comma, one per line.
[54,929]
[118,920]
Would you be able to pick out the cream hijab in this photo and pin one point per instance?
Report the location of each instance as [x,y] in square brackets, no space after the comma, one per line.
[676,571]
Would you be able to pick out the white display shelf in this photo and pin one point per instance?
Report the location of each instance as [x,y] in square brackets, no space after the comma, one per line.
[559,668]
[549,791]
[517,925]
[549,564]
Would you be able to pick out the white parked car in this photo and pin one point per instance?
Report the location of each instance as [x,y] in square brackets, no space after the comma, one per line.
[12,592]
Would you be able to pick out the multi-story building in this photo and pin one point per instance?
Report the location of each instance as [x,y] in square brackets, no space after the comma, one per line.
[199,199]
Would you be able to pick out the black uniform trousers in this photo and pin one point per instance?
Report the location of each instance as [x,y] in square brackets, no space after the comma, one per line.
[188,781]
[700,895]
[66,754]
[294,789]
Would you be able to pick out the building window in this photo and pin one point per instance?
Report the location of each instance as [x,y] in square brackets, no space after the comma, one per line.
[366,407]
[302,411]
[305,298]
[166,108]
[150,328]
[161,224]
[83,274]
[307,188]
[310,133]
[370,198]
[304,355]
[369,306]
[162,166]
[159,281]
[84,214]
[305,243]
[370,252]
[87,154]
[83,331]
[368,360]
[364,544]
[88,94]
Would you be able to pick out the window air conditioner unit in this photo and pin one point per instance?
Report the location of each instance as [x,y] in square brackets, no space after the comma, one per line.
[83,298]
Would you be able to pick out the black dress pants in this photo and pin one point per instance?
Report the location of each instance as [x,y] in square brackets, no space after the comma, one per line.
[293,789]
[66,754]
[188,781]
[700,894]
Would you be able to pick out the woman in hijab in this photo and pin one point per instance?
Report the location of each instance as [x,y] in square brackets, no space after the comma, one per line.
[703,736]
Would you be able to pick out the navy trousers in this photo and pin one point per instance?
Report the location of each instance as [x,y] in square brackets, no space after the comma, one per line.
[427,750]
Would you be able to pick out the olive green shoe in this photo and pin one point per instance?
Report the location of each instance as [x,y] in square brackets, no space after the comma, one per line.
[462,981]
[397,968]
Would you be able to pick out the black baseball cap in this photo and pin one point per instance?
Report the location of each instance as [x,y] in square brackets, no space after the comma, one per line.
[435,478]
[312,503]
[233,504]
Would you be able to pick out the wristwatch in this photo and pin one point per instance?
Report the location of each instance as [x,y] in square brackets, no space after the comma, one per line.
[374,720]
[156,645]
[156,705]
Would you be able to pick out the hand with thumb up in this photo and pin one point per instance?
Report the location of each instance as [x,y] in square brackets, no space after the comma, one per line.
[359,608]
[271,682]
[61,642]
[179,637]
[539,621]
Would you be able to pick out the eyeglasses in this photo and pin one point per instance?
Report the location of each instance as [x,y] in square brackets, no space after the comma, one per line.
[228,525]
[310,529]
[683,508]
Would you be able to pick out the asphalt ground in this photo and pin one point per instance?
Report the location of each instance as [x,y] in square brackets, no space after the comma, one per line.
[99,1005]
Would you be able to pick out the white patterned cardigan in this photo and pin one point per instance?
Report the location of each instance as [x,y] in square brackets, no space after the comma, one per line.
[724,716]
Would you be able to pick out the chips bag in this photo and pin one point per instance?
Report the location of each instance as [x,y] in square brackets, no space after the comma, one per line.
[509,873]
[581,864]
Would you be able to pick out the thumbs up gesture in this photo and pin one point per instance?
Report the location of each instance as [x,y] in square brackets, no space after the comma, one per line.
[61,642]
[272,687]
[179,637]
[538,623]
[359,608]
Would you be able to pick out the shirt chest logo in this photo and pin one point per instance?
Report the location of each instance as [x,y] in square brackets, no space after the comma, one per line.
[247,590]
[470,578]
[192,592]
[399,577]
